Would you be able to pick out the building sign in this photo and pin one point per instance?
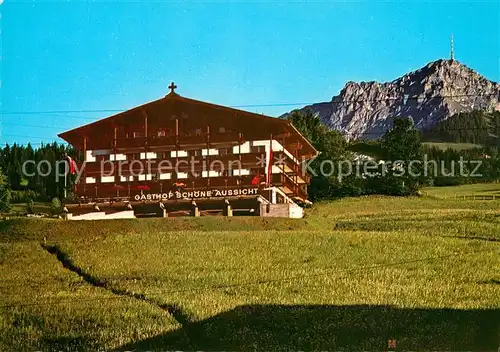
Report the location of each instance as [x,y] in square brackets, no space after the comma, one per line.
[205,194]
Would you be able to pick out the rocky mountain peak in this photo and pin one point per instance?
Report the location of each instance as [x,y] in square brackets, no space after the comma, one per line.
[428,95]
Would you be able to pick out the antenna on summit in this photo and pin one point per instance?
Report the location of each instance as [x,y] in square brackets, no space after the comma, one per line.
[452,53]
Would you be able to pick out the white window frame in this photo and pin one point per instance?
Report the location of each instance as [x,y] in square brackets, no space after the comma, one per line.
[107,179]
[211,151]
[178,153]
[241,172]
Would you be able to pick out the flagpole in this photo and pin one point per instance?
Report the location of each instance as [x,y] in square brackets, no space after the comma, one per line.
[269,158]
[65,179]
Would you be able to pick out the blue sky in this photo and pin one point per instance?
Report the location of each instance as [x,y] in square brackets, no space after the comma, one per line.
[73,56]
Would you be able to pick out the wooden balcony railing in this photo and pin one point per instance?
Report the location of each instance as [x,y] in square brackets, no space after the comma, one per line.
[295,188]
[128,189]
[219,162]
[173,141]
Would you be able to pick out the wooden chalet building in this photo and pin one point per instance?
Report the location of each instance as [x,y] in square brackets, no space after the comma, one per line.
[178,156]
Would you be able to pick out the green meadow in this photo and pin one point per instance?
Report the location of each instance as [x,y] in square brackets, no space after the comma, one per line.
[478,190]
[455,146]
[352,275]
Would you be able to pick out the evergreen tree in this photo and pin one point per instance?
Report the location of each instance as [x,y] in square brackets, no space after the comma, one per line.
[4,193]
[478,127]
[402,146]
[29,181]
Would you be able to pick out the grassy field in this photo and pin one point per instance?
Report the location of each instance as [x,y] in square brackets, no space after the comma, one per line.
[479,190]
[455,146]
[351,275]
[38,207]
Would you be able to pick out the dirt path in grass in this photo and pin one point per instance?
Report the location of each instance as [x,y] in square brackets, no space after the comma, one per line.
[173,309]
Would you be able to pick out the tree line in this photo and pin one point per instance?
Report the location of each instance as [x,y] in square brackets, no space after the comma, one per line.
[17,186]
[477,127]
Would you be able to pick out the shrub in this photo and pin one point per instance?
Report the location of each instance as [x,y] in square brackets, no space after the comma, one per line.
[5,196]
[30,206]
[23,196]
[56,206]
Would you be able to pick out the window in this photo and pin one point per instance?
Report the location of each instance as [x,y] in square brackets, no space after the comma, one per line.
[178,153]
[90,156]
[119,157]
[211,151]
[149,155]
[105,179]
[222,130]
[225,151]
[243,148]
[210,173]
[145,177]
[258,149]
[241,172]
[125,179]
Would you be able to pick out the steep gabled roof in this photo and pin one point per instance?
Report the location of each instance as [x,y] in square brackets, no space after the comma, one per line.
[174,105]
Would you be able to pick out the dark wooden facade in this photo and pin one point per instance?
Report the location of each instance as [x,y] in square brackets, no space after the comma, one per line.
[179,148]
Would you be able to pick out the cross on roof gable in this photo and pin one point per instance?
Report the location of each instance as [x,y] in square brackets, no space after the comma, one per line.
[172,88]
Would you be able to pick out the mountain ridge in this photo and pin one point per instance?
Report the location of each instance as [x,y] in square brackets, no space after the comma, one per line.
[433,93]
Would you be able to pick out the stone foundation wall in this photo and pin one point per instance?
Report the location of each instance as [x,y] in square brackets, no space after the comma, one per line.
[287,210]
[100,215]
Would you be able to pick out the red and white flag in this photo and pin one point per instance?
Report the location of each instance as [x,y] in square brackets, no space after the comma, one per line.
[269,162]
[72,165]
